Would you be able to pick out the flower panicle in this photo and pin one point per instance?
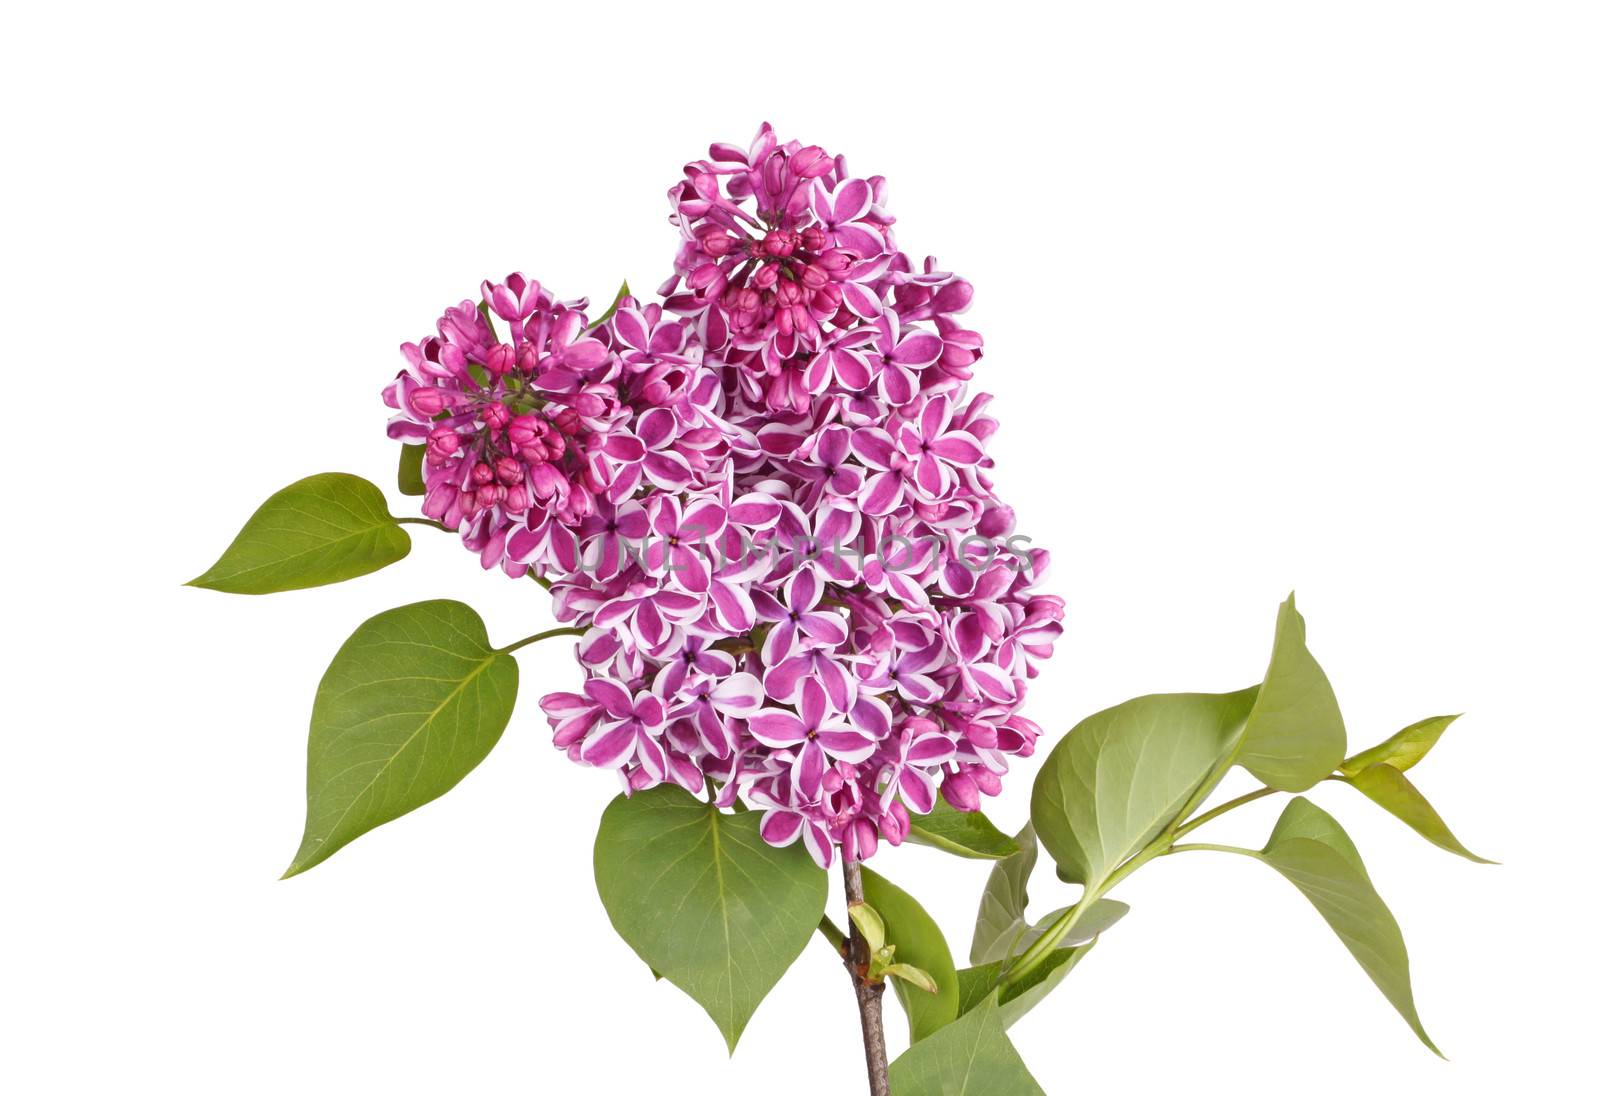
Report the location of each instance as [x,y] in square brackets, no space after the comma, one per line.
[765,498]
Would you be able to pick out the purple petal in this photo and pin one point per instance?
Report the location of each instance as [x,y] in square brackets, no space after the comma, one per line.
[781,828]
[610,749]
[809,766]
[847,745]
[776,727]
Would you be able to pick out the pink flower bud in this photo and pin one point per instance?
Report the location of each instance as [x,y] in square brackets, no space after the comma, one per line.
[859,840]
[962,792]
[443,442]
[827,299]
[482,474]
[814,276]
[810,162]
[508,471]
[765,277]
[495,416]
[814,239]
[526,430]
[834,261]
[499,359]
[426,402]
[704,275]
[895,823]
[988,782]
[780,243]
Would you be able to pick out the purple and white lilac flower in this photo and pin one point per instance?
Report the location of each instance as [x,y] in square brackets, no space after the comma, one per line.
[759,497]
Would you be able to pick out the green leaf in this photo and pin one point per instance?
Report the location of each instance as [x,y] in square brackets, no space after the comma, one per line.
[412,702]
[612,311]
[1314,853]
[410,475]
[1122,775]
[1003,929]
[1002,911]
[916,940]
[965,833]
[1019,998]
[322,529]
[1095,920]
[1388,788]
[970,1057]
[916,976]
[868,923]
[1402,749]
[1295,734]
[703,900]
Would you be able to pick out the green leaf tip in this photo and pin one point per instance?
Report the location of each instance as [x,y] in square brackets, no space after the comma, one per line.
[1295,734]
[410,704]
[319,530]
[1311,850]
[701,898]
[1404,748]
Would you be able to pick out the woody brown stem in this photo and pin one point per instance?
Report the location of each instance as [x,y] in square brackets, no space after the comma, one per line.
[869,994]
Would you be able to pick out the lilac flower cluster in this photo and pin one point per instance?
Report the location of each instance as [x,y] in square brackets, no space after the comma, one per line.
[760,497]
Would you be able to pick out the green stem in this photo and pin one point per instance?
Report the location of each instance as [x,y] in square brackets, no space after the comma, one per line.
[1200,820]
[1041,948]
[423,521]
[832,934]
[1200,846]
[536,637]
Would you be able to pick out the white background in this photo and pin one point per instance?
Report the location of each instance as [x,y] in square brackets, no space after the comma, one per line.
[1276,296]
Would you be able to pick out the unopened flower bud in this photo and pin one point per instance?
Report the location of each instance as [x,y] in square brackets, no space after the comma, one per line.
[426,402]
[779,243]
[495,416]
[833,261]
[810,162]
[499,359]
[715,242]
[961,791]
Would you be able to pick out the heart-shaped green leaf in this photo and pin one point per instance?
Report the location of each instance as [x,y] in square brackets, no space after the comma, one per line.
[916,940]
[1388,788]
[964,833]
[704,900]
[322,529]
[410,474]
[412,702]
[1120,776]
[1314,853]
[970,1057]
[1404,748]
[1295,734]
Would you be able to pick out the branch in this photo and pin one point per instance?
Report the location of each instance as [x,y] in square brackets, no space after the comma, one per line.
[869,994]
